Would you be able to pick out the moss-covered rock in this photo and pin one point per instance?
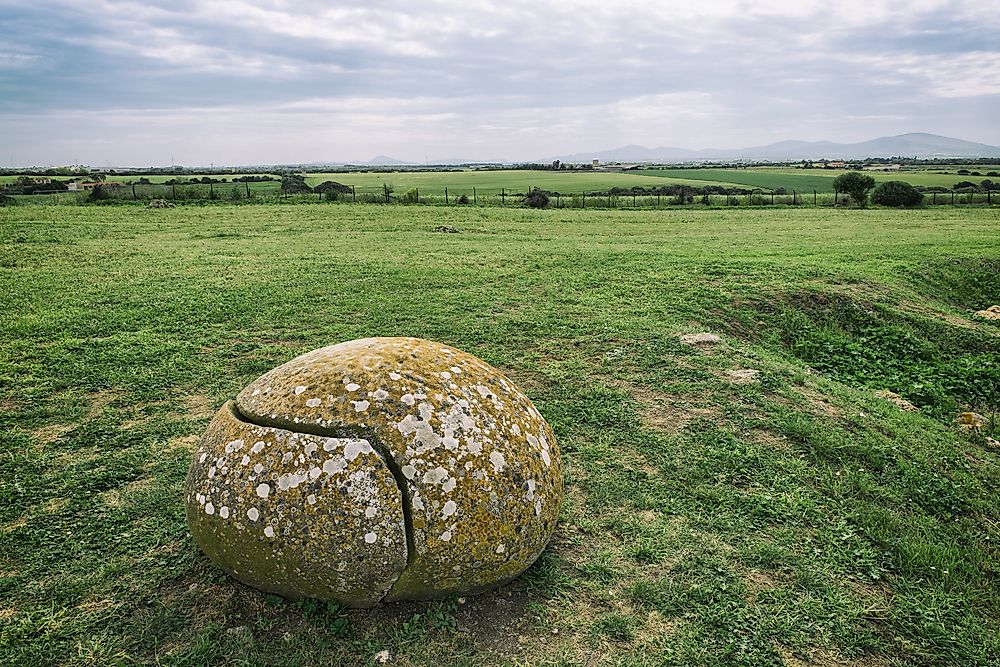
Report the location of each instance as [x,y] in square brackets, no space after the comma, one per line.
[396,468]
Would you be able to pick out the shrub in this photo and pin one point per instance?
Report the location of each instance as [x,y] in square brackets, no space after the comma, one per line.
[855,184]
[411,196]
[537,199]
[7,201]
[896,193]
[462,200]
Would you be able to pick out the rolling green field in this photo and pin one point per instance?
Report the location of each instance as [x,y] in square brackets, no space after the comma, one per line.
[807,180]
[491,182]
[785,518]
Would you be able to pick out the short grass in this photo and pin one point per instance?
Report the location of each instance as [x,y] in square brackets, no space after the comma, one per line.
[798,519]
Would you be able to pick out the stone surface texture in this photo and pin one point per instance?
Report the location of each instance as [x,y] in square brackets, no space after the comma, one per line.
[378,469]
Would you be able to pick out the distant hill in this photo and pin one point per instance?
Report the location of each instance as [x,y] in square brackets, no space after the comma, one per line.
[917,144]
[386,161]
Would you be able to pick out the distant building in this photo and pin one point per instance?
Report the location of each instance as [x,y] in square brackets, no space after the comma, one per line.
[83,187]
[595,163]
[882,167]
[835,165]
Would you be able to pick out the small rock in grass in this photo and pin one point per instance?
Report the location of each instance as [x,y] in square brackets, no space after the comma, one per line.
[971,420]
[445,229]
[382,657]
[159,203]
[991,313]
[743,375]
[897,400]
[700,339]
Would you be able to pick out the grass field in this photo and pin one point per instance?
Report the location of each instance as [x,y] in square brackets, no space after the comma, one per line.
[491,182]
[795,519]
[807,180]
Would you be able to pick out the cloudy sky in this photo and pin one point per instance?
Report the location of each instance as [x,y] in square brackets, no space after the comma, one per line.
[273,81]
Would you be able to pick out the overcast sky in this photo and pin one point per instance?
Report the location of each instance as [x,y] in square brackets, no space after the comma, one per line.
[272,81]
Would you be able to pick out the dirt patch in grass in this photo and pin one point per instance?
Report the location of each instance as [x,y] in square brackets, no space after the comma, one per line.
[98,401]
[117,497]
[19,522]
[668,412]
[49,433]
[185,443]
[818,657]
[198,406]
[817,402]
[55,505]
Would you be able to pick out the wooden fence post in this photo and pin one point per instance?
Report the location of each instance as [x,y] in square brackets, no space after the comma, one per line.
[247,183]
[475,199]
[354,195]
[793,198]
[417,192]
[446,195]
[173,191]
[133,192]
[657,199]
[583,202]
[503,197]
[814,197]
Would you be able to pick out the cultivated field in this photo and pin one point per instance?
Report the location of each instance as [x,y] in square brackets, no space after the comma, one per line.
[820,180]
[787,518]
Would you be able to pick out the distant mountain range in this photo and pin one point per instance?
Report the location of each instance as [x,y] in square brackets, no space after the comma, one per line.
[917,144]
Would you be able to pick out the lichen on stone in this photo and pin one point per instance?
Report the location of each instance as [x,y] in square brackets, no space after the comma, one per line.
[473,465]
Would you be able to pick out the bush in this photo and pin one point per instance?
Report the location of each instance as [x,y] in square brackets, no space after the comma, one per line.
[411,196]
[896,193]
[537,199]
[462,200]
[855,184]
[7,201]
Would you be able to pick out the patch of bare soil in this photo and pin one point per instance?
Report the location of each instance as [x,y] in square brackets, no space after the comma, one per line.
[668,412]
[818,403]
[48,434]
[185,443]
[117,497]
[818,657]
[198,406]
[99,401]
[897,400]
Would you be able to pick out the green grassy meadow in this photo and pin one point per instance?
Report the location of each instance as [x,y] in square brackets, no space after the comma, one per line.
[807,180]
[789,518]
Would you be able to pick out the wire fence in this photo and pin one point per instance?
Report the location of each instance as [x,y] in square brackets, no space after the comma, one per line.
[617,198]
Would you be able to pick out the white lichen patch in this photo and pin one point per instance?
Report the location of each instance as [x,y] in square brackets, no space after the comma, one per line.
[360,406]
[313,403]
[253,514]
[263,490]
[498,460]
[299,389]
[352,386]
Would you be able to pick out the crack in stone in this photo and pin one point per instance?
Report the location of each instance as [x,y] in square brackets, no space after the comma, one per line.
[347,431]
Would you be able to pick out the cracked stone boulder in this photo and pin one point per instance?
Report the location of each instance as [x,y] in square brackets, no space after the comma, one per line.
[377,469]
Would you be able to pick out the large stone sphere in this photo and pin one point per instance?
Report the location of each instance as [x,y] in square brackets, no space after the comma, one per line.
[378,469]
